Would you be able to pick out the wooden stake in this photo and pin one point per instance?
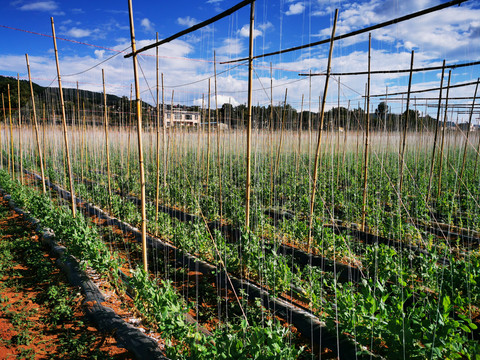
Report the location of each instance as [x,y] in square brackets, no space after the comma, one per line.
[219,162]
[11,163]
[37,137]
[208,138]
[282,126]
[140,147]
[164,124]
[249,123]
[300,120]
[129,132]
[157,150]
[432,164]
[443,137]
[20,150]
[407,118]
[367,133]
[64,121]
[320,130]
[107,151]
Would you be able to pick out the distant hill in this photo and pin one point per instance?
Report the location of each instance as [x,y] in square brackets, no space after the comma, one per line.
[42,93]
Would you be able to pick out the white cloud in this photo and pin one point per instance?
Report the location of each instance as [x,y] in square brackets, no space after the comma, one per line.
[221,99]
[295,9]
[99,53]
[147,25]
[39,6]
[265,26]
[230,47]
[187,21]
[245,31]
[78,33]
[214,1]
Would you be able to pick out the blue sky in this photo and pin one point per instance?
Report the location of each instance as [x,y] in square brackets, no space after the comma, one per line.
[452,34]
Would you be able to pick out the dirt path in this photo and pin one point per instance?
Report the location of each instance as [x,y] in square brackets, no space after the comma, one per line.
[40,313]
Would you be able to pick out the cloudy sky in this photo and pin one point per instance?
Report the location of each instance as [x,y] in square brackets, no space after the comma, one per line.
[95,31]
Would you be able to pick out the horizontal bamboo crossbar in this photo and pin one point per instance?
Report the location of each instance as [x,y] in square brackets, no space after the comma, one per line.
[193,28]
[357,32]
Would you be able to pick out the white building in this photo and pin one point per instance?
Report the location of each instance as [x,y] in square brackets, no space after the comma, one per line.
[181,118]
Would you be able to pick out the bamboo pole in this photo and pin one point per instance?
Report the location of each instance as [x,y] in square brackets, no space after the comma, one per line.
[443,137]
[219,161]
[208,137]
[157,152]
[107,151]
[82,148]
[129,132]
[300,120]
[64,121]
[164,128]
[405,126]
[249,122]
[44,142]
[140,147]
[467,135]
[367,133]
[271,132]
[319,140]
[20,133]
[11,165]
[282,126]
[85,137]
[432,163]
[37,137]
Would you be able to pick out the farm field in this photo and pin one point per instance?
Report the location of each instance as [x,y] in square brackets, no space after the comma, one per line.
[321,206]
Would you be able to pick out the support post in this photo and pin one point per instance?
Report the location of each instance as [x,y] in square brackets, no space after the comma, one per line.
[37,137]
[140,144]
[367,133]
[64,122]
[319,140]
[249,121]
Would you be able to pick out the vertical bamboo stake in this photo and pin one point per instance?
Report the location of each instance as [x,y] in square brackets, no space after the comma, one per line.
[345,135]
[140,147]
[76,129]
[129,132]
[432,164]
[20,150]
[82,148]
[157,175]
[44,125]
[219,162]
[164,125]
[39,148]
[11,164]
[300,120]
[249,123]
[272,147]
[282,126]
[443,137]
[105,119]
[405,125]
[468,133]
[85,143]
[64,121]
[319,140]
[208,137]
[367,133]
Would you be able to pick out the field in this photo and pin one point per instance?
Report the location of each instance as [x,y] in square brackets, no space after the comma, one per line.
[202,218]
[405,284]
